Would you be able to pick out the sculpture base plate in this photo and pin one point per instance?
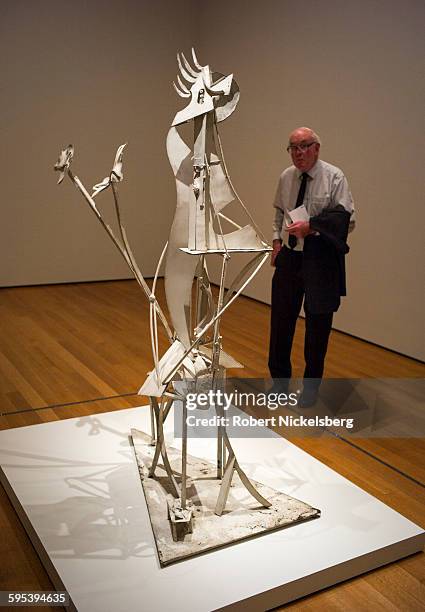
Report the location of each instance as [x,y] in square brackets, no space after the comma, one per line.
[243,516]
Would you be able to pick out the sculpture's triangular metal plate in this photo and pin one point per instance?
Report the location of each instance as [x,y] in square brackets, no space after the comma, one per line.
[194,252]
[243,517]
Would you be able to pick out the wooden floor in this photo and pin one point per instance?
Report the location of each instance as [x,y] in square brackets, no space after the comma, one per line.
[66,349]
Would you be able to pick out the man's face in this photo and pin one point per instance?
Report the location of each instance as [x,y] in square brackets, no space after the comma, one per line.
[304,151]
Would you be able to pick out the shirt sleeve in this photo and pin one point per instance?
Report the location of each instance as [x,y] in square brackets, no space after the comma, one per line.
[279,214]
[341,195]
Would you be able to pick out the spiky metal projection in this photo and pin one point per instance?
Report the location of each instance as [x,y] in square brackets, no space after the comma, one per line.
[203,189]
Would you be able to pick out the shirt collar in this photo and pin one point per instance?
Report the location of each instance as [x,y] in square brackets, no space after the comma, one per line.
[312,172]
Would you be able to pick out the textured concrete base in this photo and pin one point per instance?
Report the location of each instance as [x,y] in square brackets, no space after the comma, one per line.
[242,518]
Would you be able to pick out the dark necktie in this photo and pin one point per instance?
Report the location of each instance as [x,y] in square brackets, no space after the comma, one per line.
[300,199]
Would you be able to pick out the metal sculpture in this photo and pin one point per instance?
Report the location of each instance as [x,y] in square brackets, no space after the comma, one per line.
[195,353]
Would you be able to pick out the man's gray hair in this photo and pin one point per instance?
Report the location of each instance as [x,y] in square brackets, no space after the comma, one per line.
[315,136]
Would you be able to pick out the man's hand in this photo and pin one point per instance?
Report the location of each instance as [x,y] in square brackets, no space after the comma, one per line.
[299,229]
[277,245]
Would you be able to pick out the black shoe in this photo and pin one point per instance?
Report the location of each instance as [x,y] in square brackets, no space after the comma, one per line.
[280,385]
[308,397]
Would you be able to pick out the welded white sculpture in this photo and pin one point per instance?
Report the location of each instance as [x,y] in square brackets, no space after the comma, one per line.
[195,353]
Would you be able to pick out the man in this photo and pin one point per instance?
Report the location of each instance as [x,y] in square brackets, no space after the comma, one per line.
[308,253]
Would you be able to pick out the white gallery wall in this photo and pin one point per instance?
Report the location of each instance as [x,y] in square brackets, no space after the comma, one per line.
[98,74]
[95,74]
[354,72]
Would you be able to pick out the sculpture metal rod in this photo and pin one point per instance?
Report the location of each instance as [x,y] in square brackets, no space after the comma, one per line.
[136,271]
[240,276]
[170,375]
[158,267]
[198,300]
[198,237]
[216,338]
[153,428]
[153,316]
[135,268]
[209,308]
[216,362]
[161,449]
[141,281]
[225,485]
[220,214]
[167,408]
[199,317]
[154,338]
[259,232]
[184,455]
[227,480]
[217,216]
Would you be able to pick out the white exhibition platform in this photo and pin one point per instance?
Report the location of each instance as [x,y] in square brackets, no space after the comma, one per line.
[76,487]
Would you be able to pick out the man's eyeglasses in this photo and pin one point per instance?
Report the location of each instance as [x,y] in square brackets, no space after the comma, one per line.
[301,147]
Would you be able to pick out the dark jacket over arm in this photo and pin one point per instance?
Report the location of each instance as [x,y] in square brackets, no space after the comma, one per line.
[324,265]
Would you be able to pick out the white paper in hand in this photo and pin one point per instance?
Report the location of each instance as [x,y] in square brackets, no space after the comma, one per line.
[299,214]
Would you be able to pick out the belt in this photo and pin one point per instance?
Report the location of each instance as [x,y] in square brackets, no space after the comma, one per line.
[293,252]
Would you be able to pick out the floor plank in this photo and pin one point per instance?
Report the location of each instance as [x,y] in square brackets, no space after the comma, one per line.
[66,344]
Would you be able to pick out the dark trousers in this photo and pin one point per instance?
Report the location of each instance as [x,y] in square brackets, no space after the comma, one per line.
[287,296]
